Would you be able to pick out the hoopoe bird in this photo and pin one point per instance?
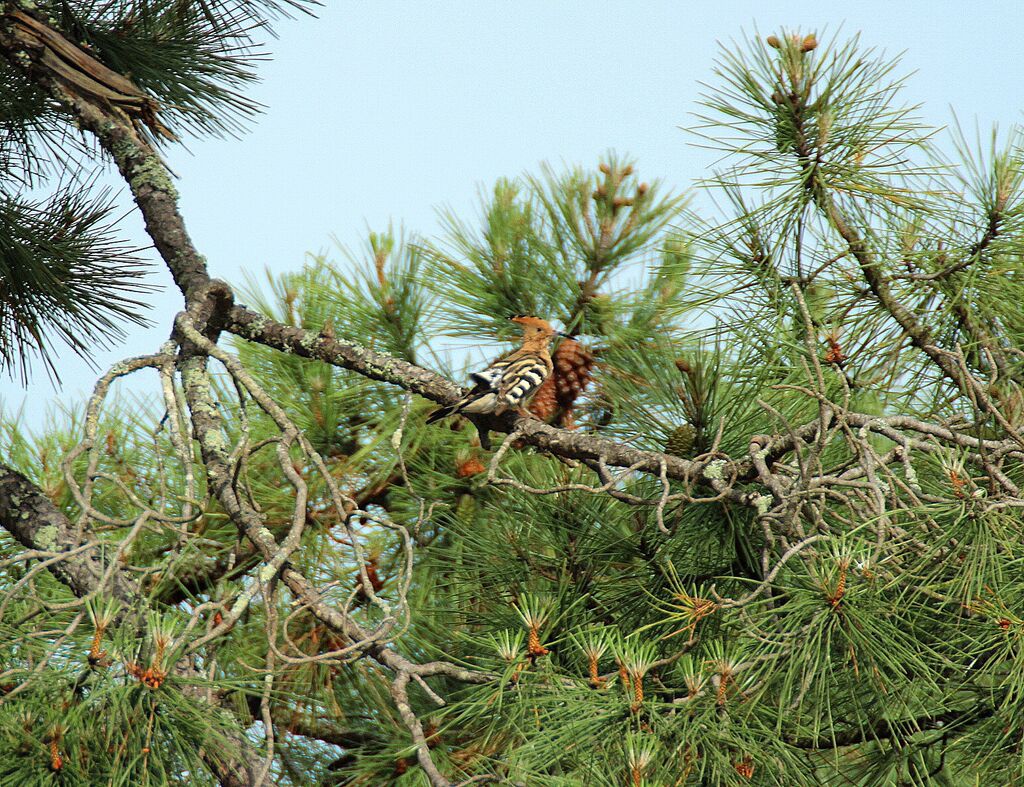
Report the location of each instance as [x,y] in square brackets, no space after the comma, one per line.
[510,381]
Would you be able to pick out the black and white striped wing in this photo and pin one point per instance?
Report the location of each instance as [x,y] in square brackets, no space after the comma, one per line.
[521,379]
[490,376]
[485,396]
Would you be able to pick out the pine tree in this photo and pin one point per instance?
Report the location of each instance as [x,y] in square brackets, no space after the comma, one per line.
[764,530]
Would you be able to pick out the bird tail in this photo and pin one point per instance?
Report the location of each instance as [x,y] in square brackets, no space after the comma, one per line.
[441,412]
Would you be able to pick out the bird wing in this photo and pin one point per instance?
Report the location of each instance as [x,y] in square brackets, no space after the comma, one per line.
[508,382]
[490,376]
[522,377]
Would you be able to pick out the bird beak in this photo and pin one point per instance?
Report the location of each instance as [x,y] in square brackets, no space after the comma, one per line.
[563,334]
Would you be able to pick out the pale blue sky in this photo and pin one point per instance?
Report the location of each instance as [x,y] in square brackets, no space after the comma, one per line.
[385,110]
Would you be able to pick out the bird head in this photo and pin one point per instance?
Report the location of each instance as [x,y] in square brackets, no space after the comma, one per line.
[534,326]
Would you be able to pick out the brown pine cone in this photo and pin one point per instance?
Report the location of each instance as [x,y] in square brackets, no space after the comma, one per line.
[554,400]
[544,404]
[573,365]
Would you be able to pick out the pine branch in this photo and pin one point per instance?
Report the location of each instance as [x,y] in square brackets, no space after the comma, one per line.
[309,727]
[810,162]
[81,73]
[201,578]
[886,729]
[566,443]
[206,420]
[28,515]
[65,276]
[102,104]
[34,139]
[192,63]
[157,199]
[974,254]
[919,334]
[880,525]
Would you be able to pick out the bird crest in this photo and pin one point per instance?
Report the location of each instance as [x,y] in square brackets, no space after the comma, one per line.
[528,320]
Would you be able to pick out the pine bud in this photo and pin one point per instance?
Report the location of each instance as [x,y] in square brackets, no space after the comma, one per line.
[676,253]
[680,440]
[432,735]
[835,353]
[468,464]
[56,760]
[602,313]
[317,384]
[604,168]
[745,767]
[638,692]
[824,127]
[809,43]
[819,299]
[773,42]
[533,644]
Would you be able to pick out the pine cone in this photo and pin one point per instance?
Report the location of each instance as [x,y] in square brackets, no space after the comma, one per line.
[680,440]
[573,364]
[572,373]
[544,404]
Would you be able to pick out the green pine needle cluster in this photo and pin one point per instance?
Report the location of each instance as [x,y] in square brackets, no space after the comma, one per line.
[65,276]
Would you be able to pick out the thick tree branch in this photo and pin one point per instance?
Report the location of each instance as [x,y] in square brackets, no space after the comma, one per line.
[28,515]
[156,197]
[206,421]
[566,443]
[72,83]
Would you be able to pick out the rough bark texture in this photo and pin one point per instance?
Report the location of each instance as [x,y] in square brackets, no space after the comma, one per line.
[28,515]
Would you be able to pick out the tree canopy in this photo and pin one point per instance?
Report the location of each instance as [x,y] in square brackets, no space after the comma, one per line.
[762,525]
